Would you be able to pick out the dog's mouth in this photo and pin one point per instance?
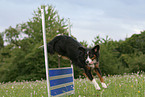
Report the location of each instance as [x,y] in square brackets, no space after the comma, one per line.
[91,63]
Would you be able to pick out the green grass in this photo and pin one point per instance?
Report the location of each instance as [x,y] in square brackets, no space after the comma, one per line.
[128,85]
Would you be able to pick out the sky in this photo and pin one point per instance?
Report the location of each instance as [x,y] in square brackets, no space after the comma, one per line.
[117,19]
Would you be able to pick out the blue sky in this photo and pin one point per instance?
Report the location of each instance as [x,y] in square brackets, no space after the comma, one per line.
[116,18]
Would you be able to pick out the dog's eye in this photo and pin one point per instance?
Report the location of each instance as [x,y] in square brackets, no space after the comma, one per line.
[93,57]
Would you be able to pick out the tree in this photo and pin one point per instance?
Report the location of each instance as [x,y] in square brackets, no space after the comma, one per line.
[1,41]
[109,63]
[137,41]
[53,23]
[132,52]
[22,58]
[12,35]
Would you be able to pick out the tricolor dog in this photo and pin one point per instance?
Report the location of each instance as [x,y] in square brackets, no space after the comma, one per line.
[86,58]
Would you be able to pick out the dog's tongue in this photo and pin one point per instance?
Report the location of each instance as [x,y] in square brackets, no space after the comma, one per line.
[92,62]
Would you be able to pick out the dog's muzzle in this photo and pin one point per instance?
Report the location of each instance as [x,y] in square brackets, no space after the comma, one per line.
[91,60]
[92,64]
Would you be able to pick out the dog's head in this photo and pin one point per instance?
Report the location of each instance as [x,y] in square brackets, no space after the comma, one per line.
[90,55]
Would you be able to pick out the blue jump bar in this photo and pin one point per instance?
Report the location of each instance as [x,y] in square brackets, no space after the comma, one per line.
[60,81]
[60,72]
[61,90]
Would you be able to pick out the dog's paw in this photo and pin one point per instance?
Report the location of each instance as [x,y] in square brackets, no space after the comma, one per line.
[104,85]
[98,88]
[96,84]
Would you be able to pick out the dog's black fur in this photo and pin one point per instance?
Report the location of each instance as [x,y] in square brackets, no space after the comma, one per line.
[69,47]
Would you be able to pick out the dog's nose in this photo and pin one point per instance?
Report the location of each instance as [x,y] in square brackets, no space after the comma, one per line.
[87,62]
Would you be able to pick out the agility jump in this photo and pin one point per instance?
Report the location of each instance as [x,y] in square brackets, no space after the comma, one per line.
[60,81]
[85,58]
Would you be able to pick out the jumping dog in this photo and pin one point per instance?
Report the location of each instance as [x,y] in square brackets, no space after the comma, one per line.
[86,58]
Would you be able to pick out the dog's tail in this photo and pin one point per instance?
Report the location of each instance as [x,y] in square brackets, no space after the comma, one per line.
[49,48]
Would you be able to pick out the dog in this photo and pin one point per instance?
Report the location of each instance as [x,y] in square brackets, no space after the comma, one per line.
[86,58]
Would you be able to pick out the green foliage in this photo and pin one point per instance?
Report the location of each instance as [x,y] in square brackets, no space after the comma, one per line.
[1,41]
[136,63]
[132,52]
[12,35]
[22,59]
[109,63]
[84,43]
[122,56]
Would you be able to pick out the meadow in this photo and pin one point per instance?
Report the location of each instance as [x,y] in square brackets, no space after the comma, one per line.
[127,85]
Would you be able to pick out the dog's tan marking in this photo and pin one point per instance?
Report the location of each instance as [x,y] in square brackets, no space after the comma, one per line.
[64,57]
[97,66]
[88,67]
[101,79]
[85,75]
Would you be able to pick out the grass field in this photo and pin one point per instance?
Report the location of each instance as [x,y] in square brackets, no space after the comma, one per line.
[128,85]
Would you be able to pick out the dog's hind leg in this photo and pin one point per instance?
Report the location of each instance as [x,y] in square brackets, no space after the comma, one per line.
[89,75]
[98,72]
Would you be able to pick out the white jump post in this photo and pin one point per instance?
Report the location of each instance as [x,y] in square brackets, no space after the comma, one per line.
[45,51]
[69,32]
[69,27]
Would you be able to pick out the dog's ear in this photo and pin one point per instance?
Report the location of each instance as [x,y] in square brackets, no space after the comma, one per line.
[96,48]
[82,49]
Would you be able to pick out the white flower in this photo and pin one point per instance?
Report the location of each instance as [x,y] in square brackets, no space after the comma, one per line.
[136,80]
[12,87]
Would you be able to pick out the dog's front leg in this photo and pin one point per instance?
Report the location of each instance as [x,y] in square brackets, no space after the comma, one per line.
[89,75]
[98,72]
